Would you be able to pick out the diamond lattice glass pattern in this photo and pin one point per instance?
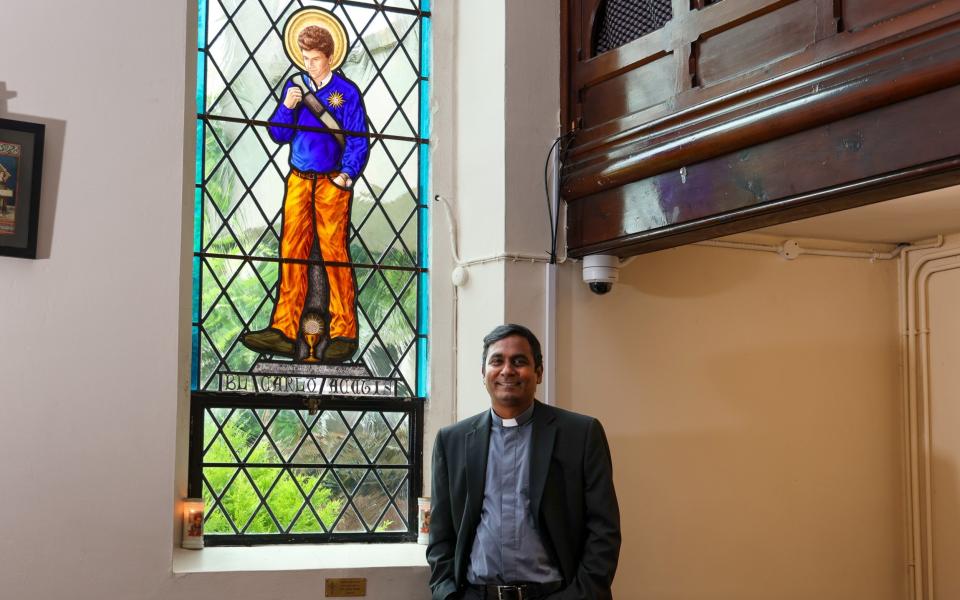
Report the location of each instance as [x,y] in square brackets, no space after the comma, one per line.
[243,172]
[281,473]
[286,471]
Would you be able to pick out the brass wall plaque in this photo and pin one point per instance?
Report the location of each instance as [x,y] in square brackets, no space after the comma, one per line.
[347,587]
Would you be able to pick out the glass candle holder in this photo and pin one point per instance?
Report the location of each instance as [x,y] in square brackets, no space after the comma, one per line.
[423,518]
[192,523]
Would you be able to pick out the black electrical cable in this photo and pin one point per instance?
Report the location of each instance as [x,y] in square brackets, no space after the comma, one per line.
[561,144]
[546,192]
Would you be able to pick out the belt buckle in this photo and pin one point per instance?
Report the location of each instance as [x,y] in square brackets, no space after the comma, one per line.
[509,589]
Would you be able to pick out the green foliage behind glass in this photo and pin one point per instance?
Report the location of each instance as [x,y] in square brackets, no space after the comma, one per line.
[285,500]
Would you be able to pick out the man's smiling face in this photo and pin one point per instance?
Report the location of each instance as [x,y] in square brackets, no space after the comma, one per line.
[510,376]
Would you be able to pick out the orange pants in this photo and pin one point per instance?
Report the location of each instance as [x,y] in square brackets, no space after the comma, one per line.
[306,200]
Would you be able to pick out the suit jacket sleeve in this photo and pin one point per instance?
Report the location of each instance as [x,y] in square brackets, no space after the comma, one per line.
[601,548]
[443,535]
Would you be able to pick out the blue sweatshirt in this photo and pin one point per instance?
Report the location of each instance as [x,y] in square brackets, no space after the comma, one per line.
[319,151]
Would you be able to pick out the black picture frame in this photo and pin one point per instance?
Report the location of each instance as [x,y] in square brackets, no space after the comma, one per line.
[21,168]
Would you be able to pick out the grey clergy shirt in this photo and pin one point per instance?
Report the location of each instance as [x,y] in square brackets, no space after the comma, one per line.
[507,547]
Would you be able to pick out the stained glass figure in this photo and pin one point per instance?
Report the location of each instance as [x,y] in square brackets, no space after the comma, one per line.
[310,250]
[319,112]
[310,269]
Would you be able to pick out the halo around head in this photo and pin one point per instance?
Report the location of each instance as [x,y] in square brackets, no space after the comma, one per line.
[321,18]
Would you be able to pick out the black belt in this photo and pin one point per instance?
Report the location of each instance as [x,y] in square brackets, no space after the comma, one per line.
[518,591]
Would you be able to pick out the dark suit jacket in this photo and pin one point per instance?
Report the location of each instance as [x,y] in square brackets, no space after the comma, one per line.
[571,494]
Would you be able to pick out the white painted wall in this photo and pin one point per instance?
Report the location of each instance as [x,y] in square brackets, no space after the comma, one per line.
[89,383]
[479,123]
[531,119]
[753,410]
[90,349]
[441,403]
[506,117]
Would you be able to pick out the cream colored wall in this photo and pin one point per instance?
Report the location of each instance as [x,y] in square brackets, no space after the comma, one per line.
[945,443]
[930,295]
[753,410]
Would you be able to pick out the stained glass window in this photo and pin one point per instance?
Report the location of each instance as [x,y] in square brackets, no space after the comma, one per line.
[309,269]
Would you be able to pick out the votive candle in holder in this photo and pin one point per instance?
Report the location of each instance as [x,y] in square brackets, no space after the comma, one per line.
[423,514]
[192,523]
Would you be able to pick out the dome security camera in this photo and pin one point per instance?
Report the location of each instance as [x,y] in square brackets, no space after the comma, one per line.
[600,272]
[600,287]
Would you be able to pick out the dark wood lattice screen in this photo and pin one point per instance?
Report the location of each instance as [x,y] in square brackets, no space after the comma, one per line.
[622,21]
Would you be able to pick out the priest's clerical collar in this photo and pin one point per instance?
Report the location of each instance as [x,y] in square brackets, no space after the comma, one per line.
[521,419]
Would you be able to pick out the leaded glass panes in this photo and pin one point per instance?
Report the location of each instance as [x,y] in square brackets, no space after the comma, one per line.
[243,175]
[267,473]
[309,271]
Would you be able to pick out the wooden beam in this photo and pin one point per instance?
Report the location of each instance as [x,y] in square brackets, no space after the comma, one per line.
[896,150]
[896,70]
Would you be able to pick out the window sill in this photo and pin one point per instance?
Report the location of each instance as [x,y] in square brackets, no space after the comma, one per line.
[226,559]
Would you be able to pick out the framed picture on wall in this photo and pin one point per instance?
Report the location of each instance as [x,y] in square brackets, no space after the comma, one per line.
[21,162]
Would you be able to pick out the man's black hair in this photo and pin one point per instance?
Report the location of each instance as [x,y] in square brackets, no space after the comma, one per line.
[508,330]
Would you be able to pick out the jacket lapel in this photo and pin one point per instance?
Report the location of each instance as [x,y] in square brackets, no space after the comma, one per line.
[478,441]
[544,435]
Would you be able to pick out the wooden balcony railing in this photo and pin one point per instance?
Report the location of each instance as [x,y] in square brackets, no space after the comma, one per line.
[739,114]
